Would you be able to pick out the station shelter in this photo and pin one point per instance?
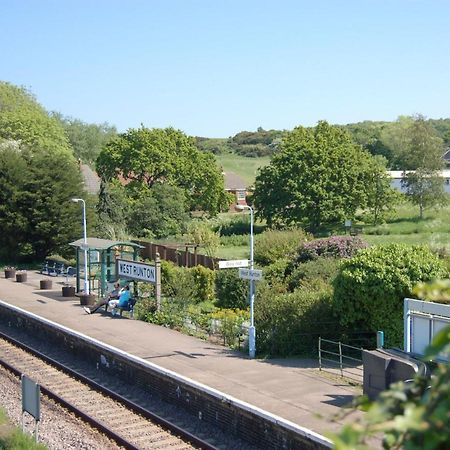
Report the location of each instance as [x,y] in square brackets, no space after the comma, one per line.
[101,261]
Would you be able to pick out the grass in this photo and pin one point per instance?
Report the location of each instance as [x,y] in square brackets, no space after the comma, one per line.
[241,165]
[12,438]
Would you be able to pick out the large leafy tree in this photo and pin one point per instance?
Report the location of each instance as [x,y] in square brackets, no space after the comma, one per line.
[24,120]
[86,139]
[319,177]
[423,154]
[144,157]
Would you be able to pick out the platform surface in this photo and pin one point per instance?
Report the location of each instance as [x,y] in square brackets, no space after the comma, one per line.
[293,389]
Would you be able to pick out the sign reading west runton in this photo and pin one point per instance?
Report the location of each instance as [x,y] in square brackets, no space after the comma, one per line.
[136,270]
[233,263]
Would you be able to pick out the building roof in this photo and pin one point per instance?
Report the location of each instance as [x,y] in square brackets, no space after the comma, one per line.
[234,182]
[399,174]
[90,178]
[447,155]
[103,244]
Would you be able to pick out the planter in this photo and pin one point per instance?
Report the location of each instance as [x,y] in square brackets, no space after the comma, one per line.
[87,299]
[45,284]
[68,291]
[21,277]
[10,273]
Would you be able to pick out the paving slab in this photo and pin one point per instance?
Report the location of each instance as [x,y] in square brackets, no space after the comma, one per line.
[293,389]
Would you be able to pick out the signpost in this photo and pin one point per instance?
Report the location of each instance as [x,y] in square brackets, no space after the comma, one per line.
[31,402]
[234,263]
[251,274]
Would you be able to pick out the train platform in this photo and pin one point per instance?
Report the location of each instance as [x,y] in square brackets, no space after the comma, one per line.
[293,389]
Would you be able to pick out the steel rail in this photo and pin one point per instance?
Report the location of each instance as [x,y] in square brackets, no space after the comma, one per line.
[180,432]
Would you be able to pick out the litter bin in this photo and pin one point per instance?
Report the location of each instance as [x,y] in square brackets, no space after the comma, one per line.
[68,291]
[10,273]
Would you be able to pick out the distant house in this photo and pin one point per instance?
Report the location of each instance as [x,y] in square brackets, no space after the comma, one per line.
[446,158]
[236,186]
[397,176]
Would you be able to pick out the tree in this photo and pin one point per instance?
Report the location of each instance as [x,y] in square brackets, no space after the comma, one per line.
[145,157]
[318,177]
[381,197]
[86,139]
[423,154]
[36,215]
[24,120]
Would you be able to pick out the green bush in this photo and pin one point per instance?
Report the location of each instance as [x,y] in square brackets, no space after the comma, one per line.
[273,245]
[290,324]
[370,287]
[231,291]
[204,282]
[276,272]
[324,269]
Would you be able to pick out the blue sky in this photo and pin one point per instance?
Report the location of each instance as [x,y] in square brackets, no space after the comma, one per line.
[216,67]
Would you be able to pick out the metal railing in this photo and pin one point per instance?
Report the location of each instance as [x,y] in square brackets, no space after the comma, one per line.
[341,359]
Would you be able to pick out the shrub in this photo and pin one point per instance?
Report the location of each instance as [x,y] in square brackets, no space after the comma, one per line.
[231,291]
[331,247]
[290,324]
[276,272]
[229,324]
[369,288]
[273,245]
[204,282]
[324,269]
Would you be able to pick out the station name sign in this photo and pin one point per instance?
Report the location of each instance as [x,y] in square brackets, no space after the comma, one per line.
[136,271]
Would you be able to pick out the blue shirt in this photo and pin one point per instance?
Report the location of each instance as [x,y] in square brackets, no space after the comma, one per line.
[123,299]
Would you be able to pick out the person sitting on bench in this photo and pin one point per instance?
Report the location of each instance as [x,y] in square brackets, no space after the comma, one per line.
[114,294]
[122,301]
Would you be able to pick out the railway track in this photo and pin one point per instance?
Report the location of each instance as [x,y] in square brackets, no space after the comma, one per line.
[123,421]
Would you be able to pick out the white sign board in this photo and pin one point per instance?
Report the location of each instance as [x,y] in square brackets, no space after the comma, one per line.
[233,263]
[136,270]
[251,274]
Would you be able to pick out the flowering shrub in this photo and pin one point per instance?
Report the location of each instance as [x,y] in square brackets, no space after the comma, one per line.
[332,247]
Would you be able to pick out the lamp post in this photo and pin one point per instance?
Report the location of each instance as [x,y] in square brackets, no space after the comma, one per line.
[86,282]
[251,330]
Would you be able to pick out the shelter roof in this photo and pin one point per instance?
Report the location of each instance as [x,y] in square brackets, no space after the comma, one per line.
[103,244]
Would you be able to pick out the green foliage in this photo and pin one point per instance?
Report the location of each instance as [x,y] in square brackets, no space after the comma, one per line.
[145,157]
[318,177]
[275,273]
[204,281]
[231,291]
[36,214]
[86,139]
[437,291]
[272,245]
[200,233]
[370,287]
[289,324]
[411,415]
[158,212]
[229,324]
[25,121]
[323,269]
[256,144]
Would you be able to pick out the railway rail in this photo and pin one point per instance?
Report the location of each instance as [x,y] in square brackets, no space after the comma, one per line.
[120,419]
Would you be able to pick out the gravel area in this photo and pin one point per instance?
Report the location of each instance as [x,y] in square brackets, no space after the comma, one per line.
[58,429]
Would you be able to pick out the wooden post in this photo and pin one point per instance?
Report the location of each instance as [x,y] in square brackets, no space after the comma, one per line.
[158,281]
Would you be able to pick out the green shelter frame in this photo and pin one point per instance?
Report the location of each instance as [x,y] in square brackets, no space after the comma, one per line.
[102,255]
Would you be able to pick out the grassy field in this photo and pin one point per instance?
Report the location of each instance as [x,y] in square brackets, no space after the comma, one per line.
[405,227]
[242,166]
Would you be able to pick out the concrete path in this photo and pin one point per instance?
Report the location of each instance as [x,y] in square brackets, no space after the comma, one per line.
[290,388]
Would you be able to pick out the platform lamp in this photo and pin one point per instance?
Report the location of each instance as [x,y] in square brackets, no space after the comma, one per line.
[251,330]
[85,245]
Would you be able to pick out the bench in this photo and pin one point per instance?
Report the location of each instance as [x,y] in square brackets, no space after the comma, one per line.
[129,308]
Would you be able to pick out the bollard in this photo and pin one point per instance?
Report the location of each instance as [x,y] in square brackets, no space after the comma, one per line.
[380,339]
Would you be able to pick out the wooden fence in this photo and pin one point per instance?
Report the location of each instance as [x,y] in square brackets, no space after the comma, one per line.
[178,254]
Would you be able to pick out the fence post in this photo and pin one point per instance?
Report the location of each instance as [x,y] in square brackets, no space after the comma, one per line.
[340,358]
[158,282]
[320,353]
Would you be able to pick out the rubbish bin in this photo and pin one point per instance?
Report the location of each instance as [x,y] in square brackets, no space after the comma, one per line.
[10,273]
[68,291]
[87,299]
